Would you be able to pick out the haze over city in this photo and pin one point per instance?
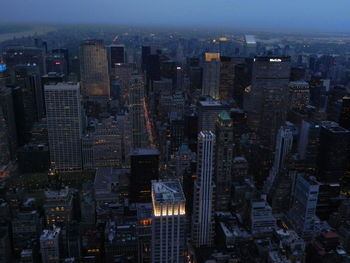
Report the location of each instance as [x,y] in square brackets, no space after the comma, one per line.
[321,15]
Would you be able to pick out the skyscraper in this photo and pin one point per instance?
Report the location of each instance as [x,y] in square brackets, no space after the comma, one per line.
[208,111]
[203,205]
[299,94]
[332,156]
[136,103]
[7,108]
[64,124]
[50,245]
[266,100]
[116,55]
[309,143]
[94,70]
[303,210]
[224,157]
[168,222]
[211,75]
[144,169]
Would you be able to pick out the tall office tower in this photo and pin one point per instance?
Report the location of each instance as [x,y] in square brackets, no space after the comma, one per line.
[125,128]
[65,53]
[309,143]
[50,246]
[261,219]
[211,75]
[284,143]
[122,73]
[7,108]
[242,81]
[146,52]
[116,55]
[58,207]
[105,143]
[208,111]
[137,114]
[94,70]
[57,63]
[168,222]
[177,125]
[332,156]
[227,76]
[224,155]
[344,118]
[266,101]
[299,95]
[64,125]
[279,182]
[4,143]
[144,169]
[203,203]
[28,100]
[302,214]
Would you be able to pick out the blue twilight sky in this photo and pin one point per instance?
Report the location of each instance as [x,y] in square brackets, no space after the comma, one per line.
[328,15]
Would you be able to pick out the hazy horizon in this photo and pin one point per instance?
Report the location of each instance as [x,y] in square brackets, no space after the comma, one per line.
[251,14]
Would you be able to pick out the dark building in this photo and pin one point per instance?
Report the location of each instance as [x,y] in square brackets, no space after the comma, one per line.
[116,55]
[332,156]
[344,118]
[33,158]
[144,169]
[242,80]
[65,53]
[297,74]
[57,63]
[266,100]
[17,55]
[146,52]
[7,107]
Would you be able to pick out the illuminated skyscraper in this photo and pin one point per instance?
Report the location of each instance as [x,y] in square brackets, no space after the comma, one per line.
[64,125]
[211,75]
[266,100]
[94,70]
[168,222]
[203,205]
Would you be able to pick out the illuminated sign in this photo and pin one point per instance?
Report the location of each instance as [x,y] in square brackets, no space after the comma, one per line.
[2,67]
[275,60]
[58,63]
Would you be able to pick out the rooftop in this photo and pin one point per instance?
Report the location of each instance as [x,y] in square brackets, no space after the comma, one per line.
[165,191]
[50,234]
[145,151]
[224,116]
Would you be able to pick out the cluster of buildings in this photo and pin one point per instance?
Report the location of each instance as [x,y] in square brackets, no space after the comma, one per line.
[240,154]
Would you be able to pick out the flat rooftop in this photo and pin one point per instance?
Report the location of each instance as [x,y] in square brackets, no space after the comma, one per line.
[145,151]
[165,191]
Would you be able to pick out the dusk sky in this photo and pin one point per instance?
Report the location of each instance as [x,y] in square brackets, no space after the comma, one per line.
[297,14]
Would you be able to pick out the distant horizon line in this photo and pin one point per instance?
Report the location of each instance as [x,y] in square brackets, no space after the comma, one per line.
[238,28]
